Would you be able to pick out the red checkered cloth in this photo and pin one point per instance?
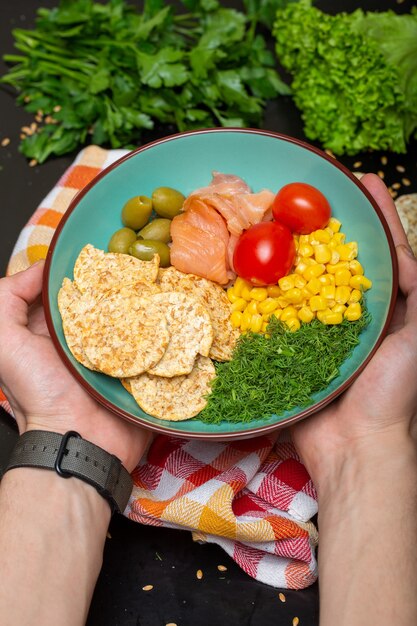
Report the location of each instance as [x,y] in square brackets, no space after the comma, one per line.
[253,497]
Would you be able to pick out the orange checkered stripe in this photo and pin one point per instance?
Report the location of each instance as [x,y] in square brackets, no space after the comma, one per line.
[254,498]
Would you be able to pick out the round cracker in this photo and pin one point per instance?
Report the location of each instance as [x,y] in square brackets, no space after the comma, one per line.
[213,297]
[97,269]
[407,210]
[178,398]
[72,307]
[124,334]
[190,330]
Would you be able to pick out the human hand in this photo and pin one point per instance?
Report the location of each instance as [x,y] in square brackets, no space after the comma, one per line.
[40,389]
[380,407]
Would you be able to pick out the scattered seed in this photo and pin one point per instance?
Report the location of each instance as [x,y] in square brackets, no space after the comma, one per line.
[357,164]
[282,597]
[33,126]
[33,162]
[330,153]
[38,118]
[22,136]
[5,142]
[108,535]
[222,568]
[26,99]
[392,193]
[295,621]
[171,624]
[57,108]
[25,129]
[199,574]
[381,174]
[384,160]
[400,168]
[406,182]
[400,1]
[396,185]
[147,588]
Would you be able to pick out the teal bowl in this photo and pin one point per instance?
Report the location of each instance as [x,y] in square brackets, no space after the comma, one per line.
[185,161]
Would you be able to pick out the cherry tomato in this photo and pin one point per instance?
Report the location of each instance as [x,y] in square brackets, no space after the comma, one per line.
[301,207]
[264,253]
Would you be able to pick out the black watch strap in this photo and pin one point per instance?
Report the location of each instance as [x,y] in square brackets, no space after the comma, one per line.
[70,455]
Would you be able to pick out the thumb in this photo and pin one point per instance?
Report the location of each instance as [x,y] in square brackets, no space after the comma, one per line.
[407,266]
[17,293]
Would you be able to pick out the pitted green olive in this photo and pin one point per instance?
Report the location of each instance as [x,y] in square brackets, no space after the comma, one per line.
[136,212]
[158,229]
[145,249]
[121,240]
[167,202]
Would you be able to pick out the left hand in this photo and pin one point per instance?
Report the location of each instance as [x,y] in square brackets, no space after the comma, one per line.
[40,389]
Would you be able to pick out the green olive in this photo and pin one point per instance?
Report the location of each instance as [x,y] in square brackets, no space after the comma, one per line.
[121,240]
[136,212]
[159,229]
[145,249]
[167,202]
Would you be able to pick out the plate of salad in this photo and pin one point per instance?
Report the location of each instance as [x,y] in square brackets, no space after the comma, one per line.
[220,283]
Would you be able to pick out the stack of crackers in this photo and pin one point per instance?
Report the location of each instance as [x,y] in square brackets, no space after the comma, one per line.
[157,330]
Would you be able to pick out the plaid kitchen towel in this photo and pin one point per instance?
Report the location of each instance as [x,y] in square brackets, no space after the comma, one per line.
[253,497]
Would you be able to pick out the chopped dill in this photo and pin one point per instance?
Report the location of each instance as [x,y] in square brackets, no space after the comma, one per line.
[270,375]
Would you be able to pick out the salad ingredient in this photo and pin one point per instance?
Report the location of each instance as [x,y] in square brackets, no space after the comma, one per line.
[167,202]
[147,249]
[278,372]
[108,72]
[136,212]
[159,229]
[301,207]
[327,283]
[121,240]
[264,253]
[353,75]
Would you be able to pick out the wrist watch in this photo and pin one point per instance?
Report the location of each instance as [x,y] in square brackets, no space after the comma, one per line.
[72,456]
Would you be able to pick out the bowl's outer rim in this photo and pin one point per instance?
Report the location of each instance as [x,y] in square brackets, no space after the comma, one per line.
[256,430]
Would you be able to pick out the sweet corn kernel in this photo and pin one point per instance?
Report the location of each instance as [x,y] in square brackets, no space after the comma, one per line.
[332,268]
[326,279]
[333,318]
[293,324]
[294,295]
[339,308]
[268,305]
[288,312]
[314,271]
[328,292]
[347,253]
[356,281]
[355,267]
[274,291]
[334,224]
[366,283]
[246,292]
[239,284]
[305,314]
[322,253]
[318,303]
[314,285]
[322,236]
[236,319]
[259,293]
[353,312]
[231,294]
[342,277]
[264,327]
[277,313]
[256,323]
[239,305]
[299,281]
[321,315]
[252,307]
[355,296]
[282,302]
[246,321]
[286,282]
[335,258]
[342,294]
[306,250]
[304,239]
[338,239]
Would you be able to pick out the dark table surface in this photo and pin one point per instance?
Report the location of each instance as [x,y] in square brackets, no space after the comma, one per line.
[135,555]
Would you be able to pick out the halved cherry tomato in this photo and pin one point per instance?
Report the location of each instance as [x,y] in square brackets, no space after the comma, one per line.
[264,253]
[301,207]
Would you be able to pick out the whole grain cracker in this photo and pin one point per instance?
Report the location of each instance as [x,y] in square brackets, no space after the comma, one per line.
[126,384]
[97,269]
[214,299]
[124,334]
[178,398]
[72,307]
[190,330]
